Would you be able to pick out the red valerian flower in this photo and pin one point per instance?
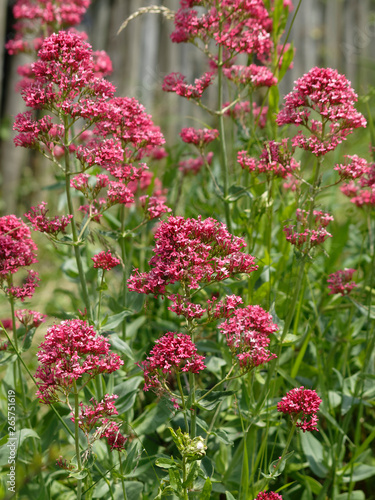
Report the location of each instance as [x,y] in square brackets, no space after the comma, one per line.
[40,222]
[115,439]
[268,495]
[198,137]
[330,95]
[70,351]
[257,76]
[192,251]
[312,237]
[105,260]
[353,170]
[340,282]
[17,249]
[302,405]
[275,159]
[172,352]
[27,317]
[175,82]
[362,191]
[247,333]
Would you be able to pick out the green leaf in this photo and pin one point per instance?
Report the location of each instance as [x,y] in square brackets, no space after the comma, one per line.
[116,319]
[79,475]
[314,454]
[120,345]
[223,436]
[206,491]
[213,399]
[229,496]
[360,472]
[286,61]
[193,474]
[166,463]
[354,495]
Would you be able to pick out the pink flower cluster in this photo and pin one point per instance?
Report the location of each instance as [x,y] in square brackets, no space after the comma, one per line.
[353,170]
[341,282]
[70,351]
[192,251]
[239,26]
[17,250]
[329,94]
[67,83]
[176,82]
[362,191]
[247,333]
[105,260]
[302,405]
[27,317]
[268,495]
[199,137]
[172,352]
[194,165]
[310,237]
[38,17]
[256,76]
[101,415]
[275,159]
[40,222]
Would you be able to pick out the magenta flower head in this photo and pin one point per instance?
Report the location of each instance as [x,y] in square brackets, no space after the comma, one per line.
[17,249]
[199,137]
[71,350]
[174,352]
[247,334]
[105,261]
[302,405]
[192,251]
[340,282]
[325,92]
[275,159]
[27,317]
[40,222]
[268,495]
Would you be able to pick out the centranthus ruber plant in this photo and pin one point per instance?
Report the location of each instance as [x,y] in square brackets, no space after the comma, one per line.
[204,322]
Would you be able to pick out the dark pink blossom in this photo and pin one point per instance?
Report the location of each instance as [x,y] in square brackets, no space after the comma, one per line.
[329,95]
[105,260]
[175,82]
[300,404]
[237,25]
[91,416]
[198,137]
[115,439]
[40,222]
[340,282]
[70,351]
[353,170]
[247,333]
[268,495]
[275,159]
[256,76]
[306,235]
[362,191]
[192,251]
[172,352]
[27,289]
[27,317]
[17,249]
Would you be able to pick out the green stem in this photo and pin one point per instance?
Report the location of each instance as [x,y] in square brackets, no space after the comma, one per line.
[184,477]
[223,148]
[122,476]
[125,269]
[76,439]
[178,377]
[77,253]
